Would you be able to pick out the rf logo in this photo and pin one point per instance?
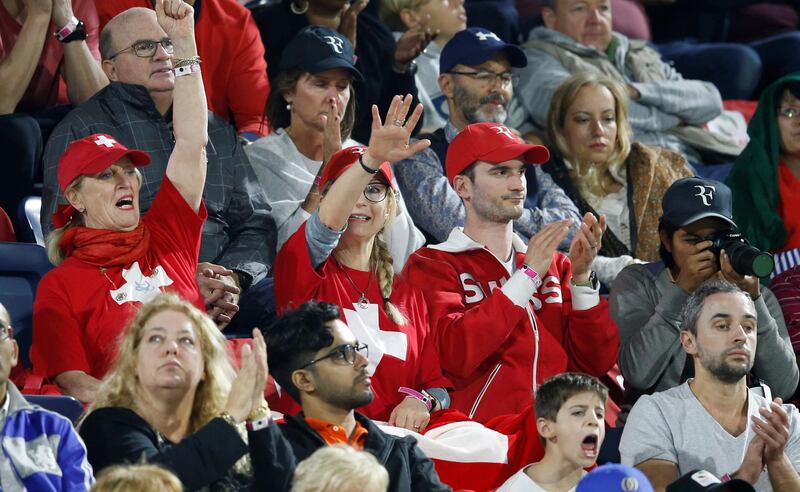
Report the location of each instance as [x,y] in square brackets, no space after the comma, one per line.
[335,43]
[501,130]
[629,484]
[483,36]
[706,193]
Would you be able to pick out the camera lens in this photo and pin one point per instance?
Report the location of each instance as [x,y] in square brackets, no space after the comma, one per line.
[748,260]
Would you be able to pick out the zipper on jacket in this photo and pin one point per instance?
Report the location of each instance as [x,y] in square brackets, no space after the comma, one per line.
[480,396]
[535,328]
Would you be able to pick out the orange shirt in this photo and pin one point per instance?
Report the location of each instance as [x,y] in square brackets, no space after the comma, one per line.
[789,189]
[335,434]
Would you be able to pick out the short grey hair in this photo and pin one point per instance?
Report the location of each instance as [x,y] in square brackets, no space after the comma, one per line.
[691,310]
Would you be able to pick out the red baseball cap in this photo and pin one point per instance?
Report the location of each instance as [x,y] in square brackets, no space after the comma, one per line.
[343,159]
[93,154]
[492,143]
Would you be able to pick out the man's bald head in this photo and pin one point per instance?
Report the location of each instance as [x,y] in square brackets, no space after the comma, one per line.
[119,23]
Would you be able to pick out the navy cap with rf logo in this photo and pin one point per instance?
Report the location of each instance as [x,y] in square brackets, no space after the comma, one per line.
[688,200]
[475,46]
[316,49]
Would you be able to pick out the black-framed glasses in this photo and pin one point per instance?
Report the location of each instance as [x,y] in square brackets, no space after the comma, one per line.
[790,113]
[343,354]
[6,331]
[145,48]
[489,78]
[376,192]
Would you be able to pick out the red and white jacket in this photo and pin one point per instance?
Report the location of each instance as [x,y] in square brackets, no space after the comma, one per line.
[498,339]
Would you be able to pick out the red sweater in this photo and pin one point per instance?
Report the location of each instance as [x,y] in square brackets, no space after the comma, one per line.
[234,70]
[492,349]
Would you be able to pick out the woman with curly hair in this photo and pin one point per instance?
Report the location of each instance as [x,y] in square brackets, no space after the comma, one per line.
[173,398]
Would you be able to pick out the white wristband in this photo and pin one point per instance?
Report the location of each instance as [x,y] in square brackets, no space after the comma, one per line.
[187,70]
[68,29]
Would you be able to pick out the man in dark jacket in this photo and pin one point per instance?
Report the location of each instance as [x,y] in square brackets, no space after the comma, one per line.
[316,359]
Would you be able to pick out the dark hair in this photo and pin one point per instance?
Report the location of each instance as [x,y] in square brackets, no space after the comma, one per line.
[669,229]
[692,307]
[469,171]
[294,338]
[793,87]
[555,391]
[280,117]
[551,4]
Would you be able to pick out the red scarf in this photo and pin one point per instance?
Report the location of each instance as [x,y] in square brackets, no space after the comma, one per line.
[104,247]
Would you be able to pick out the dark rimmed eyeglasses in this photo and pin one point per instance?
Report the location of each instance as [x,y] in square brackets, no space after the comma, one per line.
[376,192]
[6,331]
[488,78]
[146,48]
[343,354]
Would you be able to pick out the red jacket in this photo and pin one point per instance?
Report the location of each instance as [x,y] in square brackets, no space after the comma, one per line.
[234,70]
[492,349]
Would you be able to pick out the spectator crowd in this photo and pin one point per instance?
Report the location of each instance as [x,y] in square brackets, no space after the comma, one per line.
[400,245]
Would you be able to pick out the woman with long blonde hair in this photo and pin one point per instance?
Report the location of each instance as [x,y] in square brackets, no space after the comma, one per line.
[173,398]
[603,171]
[339,256]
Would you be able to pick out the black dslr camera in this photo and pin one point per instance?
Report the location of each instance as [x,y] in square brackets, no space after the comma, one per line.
[745,259]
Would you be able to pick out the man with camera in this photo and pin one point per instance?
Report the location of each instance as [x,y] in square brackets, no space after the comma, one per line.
[699,240]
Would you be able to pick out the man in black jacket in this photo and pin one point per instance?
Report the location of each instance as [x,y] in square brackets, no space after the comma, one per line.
[316,359]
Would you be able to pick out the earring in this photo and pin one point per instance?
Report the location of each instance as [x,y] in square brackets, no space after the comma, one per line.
[298,10]
[289,105]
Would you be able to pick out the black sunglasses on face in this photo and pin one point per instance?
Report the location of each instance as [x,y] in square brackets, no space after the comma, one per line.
[343,355]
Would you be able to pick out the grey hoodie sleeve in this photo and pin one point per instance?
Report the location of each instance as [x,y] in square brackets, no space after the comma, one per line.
[775,361]
[650,351]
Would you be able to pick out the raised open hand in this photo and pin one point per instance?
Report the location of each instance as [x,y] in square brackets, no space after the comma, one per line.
[389,140]
[585,245]
[348,16]
[413,41]
[543,244]
[176,17]
[332,135]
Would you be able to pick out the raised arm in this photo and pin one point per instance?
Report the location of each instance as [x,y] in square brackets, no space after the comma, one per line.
[187,164]
[82,71]
[18,67]
[389,142]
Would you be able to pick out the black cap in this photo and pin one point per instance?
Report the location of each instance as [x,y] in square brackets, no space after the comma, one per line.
[688,200]
[703,481]
[474,46]
[316,49]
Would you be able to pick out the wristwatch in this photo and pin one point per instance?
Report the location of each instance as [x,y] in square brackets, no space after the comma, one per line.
[593,282]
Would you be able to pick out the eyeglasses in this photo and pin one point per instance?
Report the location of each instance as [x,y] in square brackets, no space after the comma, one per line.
[376,192]
[147,48]
[6,331]
[488,78]
[343,355]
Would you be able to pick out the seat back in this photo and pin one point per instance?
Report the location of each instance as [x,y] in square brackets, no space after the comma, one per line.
[28,218]
[22,265]
[67,406]
[6,228]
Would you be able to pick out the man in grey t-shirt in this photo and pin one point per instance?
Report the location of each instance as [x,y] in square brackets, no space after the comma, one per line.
[714,422]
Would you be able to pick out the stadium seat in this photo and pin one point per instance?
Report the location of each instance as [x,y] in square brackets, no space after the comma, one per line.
[22,265]
[28,220]
[67,406]
[6,228]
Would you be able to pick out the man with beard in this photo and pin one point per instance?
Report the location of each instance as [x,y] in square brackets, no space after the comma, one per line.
[315,358]
[475,77]
[506,316]
[714,421]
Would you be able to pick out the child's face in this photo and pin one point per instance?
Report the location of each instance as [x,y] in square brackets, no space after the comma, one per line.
[579,429]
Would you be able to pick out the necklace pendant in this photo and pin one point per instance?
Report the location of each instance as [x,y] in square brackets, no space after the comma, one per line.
[363,302]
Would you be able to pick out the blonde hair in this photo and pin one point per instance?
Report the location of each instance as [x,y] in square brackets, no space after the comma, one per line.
[137,478]
[54,253]
[120,387]
[390,12]
[340,468]
[588,176]
[383,262]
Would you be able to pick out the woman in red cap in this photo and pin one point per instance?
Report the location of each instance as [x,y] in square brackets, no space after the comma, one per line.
[108,261]
[339,255]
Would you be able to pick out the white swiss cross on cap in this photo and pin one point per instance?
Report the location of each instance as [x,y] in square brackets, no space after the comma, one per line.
[484,36]
[103,140]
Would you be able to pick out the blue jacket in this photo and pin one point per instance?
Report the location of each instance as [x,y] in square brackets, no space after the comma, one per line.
[40,450]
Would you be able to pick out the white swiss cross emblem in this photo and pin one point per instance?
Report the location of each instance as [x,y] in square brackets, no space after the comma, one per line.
[501,130]
[138,287]
[364,322]
[105,141]
[335,43]
[483,36]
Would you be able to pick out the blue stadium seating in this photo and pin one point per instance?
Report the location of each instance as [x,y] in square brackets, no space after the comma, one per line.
[22,265]
[67,406]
